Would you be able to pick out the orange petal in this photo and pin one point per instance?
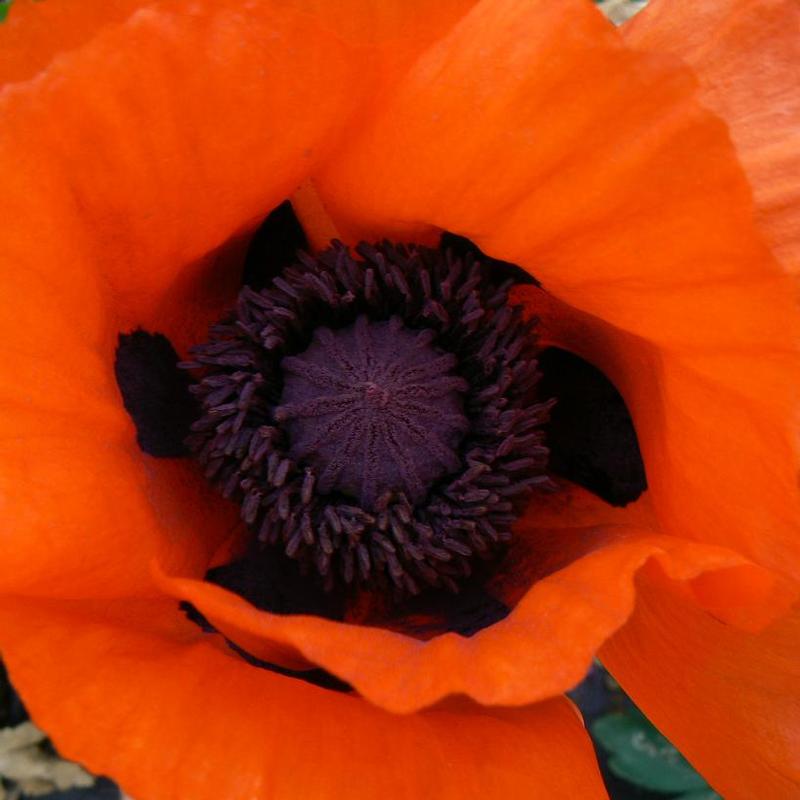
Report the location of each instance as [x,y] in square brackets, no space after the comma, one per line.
[138,147]
[585,565]
[715,424]
[577,178]
[36,33]
[746,54]
[388,33]
[130,161]
[625,198]
[83,519]
[213,726]
[728,700]
[176,130]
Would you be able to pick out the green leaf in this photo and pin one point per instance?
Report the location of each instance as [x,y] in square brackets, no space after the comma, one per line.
[641,755]
[704,794]
[4,11]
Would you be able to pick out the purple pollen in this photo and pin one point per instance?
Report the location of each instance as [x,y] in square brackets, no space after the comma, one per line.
[374,408]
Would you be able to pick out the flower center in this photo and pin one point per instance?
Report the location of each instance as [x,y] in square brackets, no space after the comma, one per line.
[376,415]
[374,408]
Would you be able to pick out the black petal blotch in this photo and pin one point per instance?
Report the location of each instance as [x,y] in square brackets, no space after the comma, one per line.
[591,435]
[155,392]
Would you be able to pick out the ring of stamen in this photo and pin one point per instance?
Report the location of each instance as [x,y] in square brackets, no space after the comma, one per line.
[436,375]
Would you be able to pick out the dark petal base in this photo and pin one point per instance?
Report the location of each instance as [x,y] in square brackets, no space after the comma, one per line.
[155,393]
[498,272]
[273,247]
[591,435]
[273,582]
[317,677]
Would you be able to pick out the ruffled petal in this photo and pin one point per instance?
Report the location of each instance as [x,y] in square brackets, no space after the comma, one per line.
[715,424]
[82,519]
[624,197]
[583,566]
[593,177]
[141,143]
[215,727]
[746,54]
[129,163]
[34,34]
[389,32]
[160,156]
[728,700]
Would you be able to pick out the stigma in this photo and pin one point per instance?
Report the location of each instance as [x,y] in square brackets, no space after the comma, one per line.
[374,408]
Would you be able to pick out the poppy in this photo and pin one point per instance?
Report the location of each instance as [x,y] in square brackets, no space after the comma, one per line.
[644,178]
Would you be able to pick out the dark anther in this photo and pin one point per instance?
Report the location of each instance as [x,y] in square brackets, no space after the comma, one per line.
[376,416]
[591,435]
[155,393]
[273,247]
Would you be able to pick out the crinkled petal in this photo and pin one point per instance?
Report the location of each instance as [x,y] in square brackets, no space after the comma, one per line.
[746,54]
[213,726]
[128,162]
[728,700]
[140,145]
[716,425]
[34,34]
[592,177]
[546,644]
[624,197]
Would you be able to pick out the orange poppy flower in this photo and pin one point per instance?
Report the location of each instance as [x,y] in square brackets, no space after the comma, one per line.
[141,145]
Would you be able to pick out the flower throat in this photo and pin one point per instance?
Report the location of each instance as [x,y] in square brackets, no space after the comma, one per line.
[375,415]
